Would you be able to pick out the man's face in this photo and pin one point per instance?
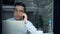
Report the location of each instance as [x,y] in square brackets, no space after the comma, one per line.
[18,12]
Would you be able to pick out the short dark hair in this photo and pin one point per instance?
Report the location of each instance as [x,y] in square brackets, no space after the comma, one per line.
[20,4]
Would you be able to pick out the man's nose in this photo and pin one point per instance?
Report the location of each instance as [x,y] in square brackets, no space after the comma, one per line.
[18,11]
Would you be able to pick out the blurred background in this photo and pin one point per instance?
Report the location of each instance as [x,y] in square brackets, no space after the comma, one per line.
[40,12]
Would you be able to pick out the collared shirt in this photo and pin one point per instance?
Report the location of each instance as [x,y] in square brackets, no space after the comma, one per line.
[28,27]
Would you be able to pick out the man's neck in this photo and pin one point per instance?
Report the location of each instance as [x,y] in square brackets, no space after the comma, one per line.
[19,19]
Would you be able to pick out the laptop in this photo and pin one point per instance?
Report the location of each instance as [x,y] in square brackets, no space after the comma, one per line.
[13,27]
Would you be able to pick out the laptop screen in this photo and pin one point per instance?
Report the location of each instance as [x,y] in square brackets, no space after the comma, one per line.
[13,27]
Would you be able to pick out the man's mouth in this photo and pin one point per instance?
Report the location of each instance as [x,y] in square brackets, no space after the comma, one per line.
[18,16]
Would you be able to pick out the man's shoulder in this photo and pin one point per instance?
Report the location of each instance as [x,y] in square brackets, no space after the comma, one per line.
[29,21]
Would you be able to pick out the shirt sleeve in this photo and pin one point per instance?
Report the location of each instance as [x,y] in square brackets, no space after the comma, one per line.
[30,27]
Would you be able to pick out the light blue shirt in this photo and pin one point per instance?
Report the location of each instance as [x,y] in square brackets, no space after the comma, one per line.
[28,27]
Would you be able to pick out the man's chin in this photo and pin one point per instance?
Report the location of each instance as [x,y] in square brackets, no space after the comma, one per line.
[17,18]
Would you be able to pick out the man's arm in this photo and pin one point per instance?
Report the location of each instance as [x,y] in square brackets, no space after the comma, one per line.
[31,28]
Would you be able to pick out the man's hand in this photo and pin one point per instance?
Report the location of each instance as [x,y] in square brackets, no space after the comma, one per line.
[25,17]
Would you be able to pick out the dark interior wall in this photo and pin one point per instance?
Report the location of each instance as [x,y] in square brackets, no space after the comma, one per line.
[8,2]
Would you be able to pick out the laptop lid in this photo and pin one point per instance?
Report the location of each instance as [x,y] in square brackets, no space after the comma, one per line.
[13,27]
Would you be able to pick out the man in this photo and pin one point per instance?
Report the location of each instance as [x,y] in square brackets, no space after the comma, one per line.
[19,14]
